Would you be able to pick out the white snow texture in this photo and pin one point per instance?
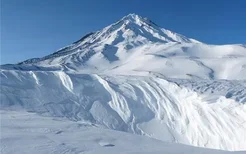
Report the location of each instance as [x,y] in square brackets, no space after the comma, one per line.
[135,77]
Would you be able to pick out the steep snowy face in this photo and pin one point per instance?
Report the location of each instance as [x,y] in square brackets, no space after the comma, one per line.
[137,29]
[149,106]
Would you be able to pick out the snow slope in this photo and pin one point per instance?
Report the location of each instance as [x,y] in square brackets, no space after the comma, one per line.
[60,136]
[142,105]
[137,77]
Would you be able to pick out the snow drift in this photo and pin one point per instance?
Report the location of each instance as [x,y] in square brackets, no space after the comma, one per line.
[149,106]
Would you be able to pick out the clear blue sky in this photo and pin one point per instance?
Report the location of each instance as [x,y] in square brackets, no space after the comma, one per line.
[35,28]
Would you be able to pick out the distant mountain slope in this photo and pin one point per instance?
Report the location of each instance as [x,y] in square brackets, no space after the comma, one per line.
[131,31]
[126,46]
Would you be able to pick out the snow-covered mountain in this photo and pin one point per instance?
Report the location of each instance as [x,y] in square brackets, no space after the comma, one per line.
[137,77]
[129,32]
[126,46]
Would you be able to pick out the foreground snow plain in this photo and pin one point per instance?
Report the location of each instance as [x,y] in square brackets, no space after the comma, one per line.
[132,77]
[29,133]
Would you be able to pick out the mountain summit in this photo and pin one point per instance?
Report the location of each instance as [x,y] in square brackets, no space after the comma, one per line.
[146,28]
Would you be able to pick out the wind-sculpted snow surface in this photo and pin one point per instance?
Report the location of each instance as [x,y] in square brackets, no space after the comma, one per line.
[150,106]
[213,89]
